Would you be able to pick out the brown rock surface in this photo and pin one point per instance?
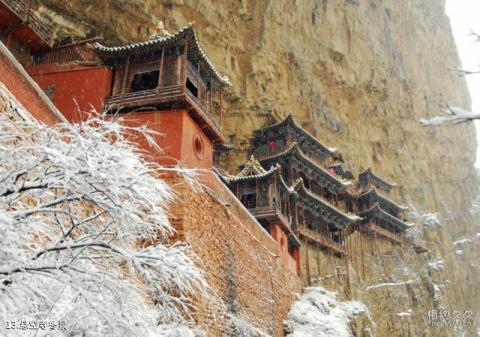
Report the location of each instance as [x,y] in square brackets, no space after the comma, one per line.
[356,73]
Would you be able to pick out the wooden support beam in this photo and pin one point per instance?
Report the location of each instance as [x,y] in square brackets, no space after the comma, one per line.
[160,71]
[308,261]
[185,63]
[125,76]
[221,108]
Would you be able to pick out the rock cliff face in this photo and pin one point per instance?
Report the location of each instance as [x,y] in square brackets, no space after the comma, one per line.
[358,74]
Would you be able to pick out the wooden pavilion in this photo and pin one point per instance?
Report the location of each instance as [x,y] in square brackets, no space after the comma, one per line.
[169,71]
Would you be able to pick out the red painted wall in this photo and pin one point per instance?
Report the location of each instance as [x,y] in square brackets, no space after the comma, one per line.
[17,81]
[282,245]
[87,85]
[181,139]
[177,140]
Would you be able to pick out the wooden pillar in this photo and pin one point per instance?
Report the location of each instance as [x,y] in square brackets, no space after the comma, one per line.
[27,10]
[348,274]
[256,193]
[362,252]
[332,264]
[318,260]
[160,71]
[185,63]
[221,107]
[308,261]
[9,37]
[210,94]
[126,75]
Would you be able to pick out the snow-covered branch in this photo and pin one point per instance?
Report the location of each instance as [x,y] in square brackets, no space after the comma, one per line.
[84,232]
[454,115]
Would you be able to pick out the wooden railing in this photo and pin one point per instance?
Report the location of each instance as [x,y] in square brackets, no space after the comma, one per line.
[372,228]
[146,96]
[203,108]
[22,8]
[322,239]
[269,212]
[74,52]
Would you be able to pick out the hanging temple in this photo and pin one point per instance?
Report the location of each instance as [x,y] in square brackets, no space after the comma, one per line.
[297,189]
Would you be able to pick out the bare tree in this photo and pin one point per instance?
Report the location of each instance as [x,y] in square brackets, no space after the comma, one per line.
[452,114]
[84,233]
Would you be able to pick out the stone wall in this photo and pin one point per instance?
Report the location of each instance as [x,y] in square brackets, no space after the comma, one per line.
[240,259]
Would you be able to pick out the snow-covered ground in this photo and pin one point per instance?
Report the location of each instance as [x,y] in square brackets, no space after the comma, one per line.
[318,313]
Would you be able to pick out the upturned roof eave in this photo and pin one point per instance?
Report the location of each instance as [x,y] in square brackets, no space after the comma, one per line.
[157,43]
[290,120]
[294,147]
[376,209]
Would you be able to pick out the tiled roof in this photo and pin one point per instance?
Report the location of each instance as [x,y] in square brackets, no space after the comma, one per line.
[376,210]
[369,174]
[301,189]
[251,170]
[289,120]
[378,195]
[155,44]
[294,148]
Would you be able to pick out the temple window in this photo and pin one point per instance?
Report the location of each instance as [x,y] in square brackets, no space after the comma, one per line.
[192,88]
[249,200]
[49,90]
[145,80]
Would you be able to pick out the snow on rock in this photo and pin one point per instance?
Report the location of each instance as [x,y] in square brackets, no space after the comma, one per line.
[466,241]
[453,115]
[243,328]
[429,220]
[437,265]
[405,314]
[318,313]
[390,284]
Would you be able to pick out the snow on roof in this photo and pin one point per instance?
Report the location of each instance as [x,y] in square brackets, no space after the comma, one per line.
[377,210]
[368,173]
[378,195]
[156,43]
[251,170]
[296,149]
[289,120]
[300,187]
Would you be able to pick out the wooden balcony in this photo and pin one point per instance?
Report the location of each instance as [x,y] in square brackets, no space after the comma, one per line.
[271,214]
[171,96]
[322,240]
[78,52]
[394,237]
[28,18]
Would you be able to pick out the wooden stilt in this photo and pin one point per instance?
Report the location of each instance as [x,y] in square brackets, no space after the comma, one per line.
[160,71]
[362,252]
[308,261]
[126,75]
[318,260]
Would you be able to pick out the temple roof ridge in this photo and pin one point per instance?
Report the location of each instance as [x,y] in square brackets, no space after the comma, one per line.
[289,119]
[381,196]
[300,187]
[294,147]
[251,170]
[378,210]
[158,42]
[369,172]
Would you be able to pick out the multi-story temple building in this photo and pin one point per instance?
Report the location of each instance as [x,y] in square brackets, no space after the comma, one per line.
[319,202]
